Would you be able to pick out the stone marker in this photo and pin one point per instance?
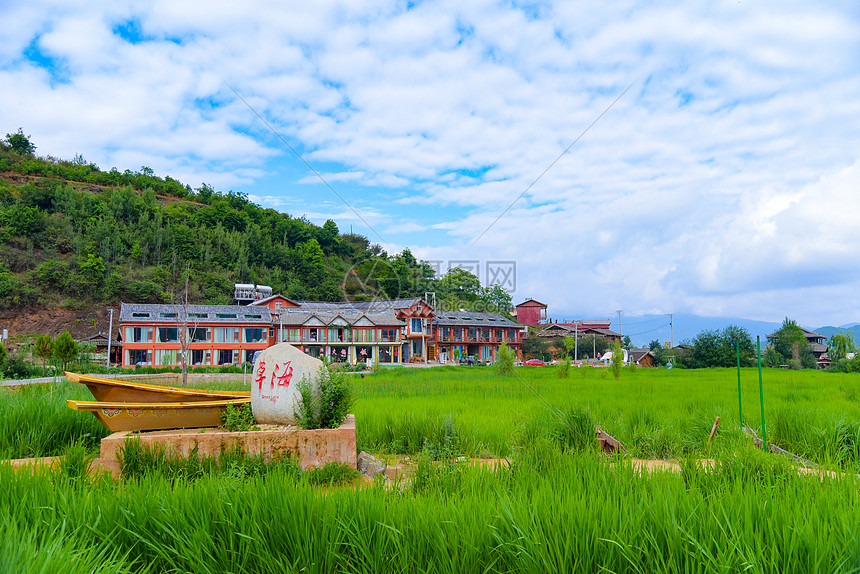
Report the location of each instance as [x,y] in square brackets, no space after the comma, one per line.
[274,391]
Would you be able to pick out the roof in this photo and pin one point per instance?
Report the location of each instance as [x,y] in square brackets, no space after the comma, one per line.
[469,319]
[171,314]
[265,300]
[297,317]
[532,303]
[637,354]
[375,306]
[806,333]
[552,330]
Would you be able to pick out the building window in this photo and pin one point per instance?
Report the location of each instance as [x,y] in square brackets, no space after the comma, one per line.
[138,334]
[168,335]
[338,335]
[416,326]
[225,315]
[364,353]
[198,315]
[253,335]
[278,304]
[167,357]
[227,334]
[389,335]
[201,356]
[140,315]
[338,354]
[198,334]
[226,356]
[138,357]
[167,315]
[384,354]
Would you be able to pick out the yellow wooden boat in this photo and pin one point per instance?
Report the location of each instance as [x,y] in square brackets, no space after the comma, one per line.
[112,390]
[124,416]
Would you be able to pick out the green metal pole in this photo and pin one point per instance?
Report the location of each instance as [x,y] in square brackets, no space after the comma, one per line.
[740,403]
[761,394]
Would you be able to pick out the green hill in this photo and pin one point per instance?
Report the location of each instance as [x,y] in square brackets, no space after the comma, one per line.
[74,236]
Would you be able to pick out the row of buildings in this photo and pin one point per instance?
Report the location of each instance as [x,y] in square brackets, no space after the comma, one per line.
[380,332]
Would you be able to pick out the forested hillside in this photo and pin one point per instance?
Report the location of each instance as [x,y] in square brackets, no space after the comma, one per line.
[74,236]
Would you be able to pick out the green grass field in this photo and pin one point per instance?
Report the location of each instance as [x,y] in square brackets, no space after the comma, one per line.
[560,506]
[656,413]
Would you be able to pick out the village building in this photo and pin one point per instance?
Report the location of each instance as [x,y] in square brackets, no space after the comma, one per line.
[388,331]
[584,328]
[479,335]
[531,313]
[152,335]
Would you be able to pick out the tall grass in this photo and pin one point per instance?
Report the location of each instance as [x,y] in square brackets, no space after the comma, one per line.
[550,511]
[35,421]
[656,413]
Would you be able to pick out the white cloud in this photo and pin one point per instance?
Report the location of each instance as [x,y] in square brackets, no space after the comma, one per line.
[721,182]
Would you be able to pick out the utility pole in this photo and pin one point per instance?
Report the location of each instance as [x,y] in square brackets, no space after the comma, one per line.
[672,328]
[110,329]
[575,340]
[619,322]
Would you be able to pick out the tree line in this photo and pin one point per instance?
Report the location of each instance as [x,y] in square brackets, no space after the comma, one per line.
[74,235]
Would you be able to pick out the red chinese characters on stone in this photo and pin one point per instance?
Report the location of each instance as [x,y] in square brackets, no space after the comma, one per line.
[283,380]
[260,374]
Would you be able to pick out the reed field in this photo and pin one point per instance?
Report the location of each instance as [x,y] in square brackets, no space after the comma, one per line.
[555,505]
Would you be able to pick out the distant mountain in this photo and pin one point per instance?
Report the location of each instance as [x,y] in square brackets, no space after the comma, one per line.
[828,332]
[848,325]
[643,329]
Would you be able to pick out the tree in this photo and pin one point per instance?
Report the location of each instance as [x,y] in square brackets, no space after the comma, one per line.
[497,299]
[459,284]
[65,349]
[43,349]
[791,344]
[569,344]
[717,348]
[626,342]
[2,354]
[504,360]
[840,345]
[617,360]
[20,143]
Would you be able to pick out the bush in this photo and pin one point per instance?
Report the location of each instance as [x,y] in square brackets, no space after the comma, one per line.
[324,401]
[239,419]
[16,368]
[504,360]
[617,360]
[563,368]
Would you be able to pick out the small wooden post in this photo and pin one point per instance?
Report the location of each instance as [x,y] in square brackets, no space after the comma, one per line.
[714,430]
[608,444]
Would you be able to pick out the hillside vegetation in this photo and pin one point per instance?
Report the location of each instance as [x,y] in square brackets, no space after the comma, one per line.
[72,235]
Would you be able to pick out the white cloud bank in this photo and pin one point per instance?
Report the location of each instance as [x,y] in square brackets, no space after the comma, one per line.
[724,182]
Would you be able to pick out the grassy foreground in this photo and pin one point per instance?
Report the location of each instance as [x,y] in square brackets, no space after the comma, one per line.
[558,507]
[550,512]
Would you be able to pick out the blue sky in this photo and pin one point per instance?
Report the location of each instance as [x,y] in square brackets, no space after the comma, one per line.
[723,183]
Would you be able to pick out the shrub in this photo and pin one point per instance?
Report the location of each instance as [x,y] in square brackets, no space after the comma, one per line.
[16,368]
[332,474]
[239,418]
[324,401]
[563,368]
[617,360]
[505,360]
